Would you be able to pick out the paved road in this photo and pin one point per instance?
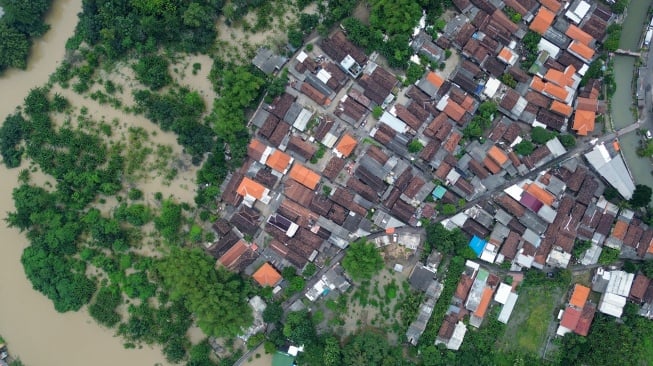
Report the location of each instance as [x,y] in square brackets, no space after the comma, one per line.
[580,149]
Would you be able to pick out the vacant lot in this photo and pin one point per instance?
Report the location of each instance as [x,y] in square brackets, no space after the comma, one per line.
[528,326]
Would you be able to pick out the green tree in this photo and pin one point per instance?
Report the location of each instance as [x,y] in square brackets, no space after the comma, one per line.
[608,256]
[362,260]
[216,297]
[567,141]
[377,112]
[415,146]
[299,328]
[273,313]
[12,133]
[641,196]
[395,17]
[103,309]
[448,209]
[169,221]
[332,352]
[524,148]
[541,135]
[509,80]
[14,48]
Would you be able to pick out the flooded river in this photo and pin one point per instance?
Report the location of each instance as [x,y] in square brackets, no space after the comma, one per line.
[34,330]
[622,101]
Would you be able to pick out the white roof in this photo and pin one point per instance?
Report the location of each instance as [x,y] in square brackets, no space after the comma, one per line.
[503,293]
[591,255]
[612,304]
[549,47]
[293,351]
[524,261]
[442,103]
[459,219]
[514,191]
[488,255]
[347,62]
[506,311]
[547,213]
[323,75]
[555,146]
[453,176]
[302,119]
[302,56]
[457,337]
[491,87]
[329,140]
[620,283]
[613,170]
[394,122]
[577,14]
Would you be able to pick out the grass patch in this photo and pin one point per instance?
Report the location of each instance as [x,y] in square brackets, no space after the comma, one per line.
[527,328]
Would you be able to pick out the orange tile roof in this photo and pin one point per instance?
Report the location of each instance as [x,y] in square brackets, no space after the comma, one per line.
[537,84]
[467,103]
[615,145]
[434,79]
[569,74]
[561,108]
[267,275]
[556,77]
[505,55]
[579,35]
[251,188]
[579,296]
[541,194]
[555,91]
[485,303]
[619,230]
[279,161]
[256,149]
[581,50]
[491,165]
[553,5]
[542,21]
[346,145]
[497,155]
[229,258]
[584,122]
[305,176]
[454,110]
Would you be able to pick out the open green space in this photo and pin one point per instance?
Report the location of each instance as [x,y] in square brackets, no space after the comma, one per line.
[534,311]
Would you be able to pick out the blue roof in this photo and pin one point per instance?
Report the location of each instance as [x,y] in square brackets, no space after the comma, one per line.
[439,192]
[477,244]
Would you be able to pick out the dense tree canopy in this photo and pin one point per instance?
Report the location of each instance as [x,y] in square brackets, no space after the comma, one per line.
[22,21]
[216,297]
[642,196]
[362,260]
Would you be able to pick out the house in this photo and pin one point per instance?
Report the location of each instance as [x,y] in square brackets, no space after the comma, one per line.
[305,176]
[345,146]
[266,275]
[251,191]
[267,61]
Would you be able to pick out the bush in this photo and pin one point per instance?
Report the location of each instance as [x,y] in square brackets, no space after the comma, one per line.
[153,71]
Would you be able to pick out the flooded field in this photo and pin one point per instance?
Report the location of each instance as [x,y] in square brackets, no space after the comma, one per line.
[34,330]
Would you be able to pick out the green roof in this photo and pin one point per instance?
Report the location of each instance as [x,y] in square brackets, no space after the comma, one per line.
[282,359]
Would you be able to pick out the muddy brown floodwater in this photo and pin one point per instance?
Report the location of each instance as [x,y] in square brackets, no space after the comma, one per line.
[35,331]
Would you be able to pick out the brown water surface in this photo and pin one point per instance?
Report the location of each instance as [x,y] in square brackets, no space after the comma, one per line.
[34,330]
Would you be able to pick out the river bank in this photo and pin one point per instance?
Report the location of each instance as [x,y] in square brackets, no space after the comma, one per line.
[38,334]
